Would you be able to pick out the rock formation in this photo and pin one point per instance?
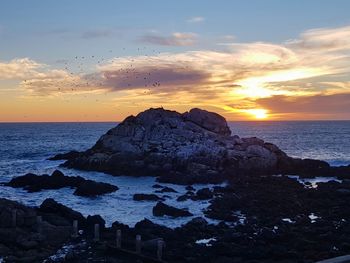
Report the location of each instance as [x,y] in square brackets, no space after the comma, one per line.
[35,183]
[23,238]
[196,146]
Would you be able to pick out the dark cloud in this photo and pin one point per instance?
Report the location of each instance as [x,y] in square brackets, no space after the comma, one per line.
[153,77]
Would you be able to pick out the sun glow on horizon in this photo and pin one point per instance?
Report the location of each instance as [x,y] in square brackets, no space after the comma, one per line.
[258,113]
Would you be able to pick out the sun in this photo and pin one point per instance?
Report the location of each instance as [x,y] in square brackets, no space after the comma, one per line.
[259,114]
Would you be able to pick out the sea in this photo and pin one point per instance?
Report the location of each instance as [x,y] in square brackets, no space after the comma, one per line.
[25,147]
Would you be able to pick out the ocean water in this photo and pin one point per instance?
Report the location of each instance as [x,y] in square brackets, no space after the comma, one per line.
[25,147]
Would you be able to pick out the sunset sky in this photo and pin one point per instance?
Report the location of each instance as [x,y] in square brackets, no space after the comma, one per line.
[104,60]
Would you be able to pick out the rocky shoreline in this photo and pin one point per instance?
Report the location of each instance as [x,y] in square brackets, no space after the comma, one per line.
[261,213]
[262,219]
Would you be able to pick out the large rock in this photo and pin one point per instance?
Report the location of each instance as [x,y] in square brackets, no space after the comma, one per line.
[193,147]
[34,183]
[208,120]
[91,188]
[161,209]
[50,206]
[23,238]
[65,156]
[146,197]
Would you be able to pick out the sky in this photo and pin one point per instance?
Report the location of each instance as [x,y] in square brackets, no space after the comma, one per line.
[90,60]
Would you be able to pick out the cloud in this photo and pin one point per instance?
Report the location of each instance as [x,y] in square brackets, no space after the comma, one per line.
[40,80]
[20,68]
[324,39]
[196,19]
[281,78]
[322,105]
[176,39]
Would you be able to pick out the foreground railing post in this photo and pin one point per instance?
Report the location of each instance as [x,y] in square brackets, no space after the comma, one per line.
[119,238]
[160,249]
[138,244]
[97,233]
[75,229]
[14,218]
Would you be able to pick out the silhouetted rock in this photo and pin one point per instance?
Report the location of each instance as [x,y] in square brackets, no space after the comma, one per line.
[146,197]
[91,188]
[189,188]
[95,219]
[161,209]
[23,242]
[204,194]
[166,189]
[35,183]
[183,148]
[193,147]
[65,156]
[50,206]
[210,121]
[157,186]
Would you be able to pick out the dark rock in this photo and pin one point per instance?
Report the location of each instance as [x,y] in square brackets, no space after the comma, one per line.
[55,235]
[198,223]
[24,243]
[91,188]
[146,197]
[190,188]
[343,191]
[150,230]
[166,190]
[204,194]
[194,147]
[56,220]
[208,120]
[34,183]
[161,209]
[181,148]
[65,156]
[120,226]
[183,179]
[50,206]
[95,219]
[157,186]
[183,198]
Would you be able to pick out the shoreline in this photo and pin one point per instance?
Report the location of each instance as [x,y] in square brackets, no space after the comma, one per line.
[262,223]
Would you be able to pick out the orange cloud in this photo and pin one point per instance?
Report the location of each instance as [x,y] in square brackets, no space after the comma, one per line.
[264,79]
[334,106]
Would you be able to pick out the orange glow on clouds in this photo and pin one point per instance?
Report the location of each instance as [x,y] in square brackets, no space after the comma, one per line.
[245,81]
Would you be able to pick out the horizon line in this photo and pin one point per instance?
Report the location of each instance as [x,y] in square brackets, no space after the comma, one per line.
[119,121]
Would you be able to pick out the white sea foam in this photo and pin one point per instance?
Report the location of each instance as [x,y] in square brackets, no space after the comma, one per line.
[312,182]
[117,206]
[288,220]
[313,217]
[205,241]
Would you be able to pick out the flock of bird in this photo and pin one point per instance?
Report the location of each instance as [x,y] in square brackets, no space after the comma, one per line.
[124,76]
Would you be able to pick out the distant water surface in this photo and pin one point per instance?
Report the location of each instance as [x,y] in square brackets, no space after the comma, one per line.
[323,140]
[24,147]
